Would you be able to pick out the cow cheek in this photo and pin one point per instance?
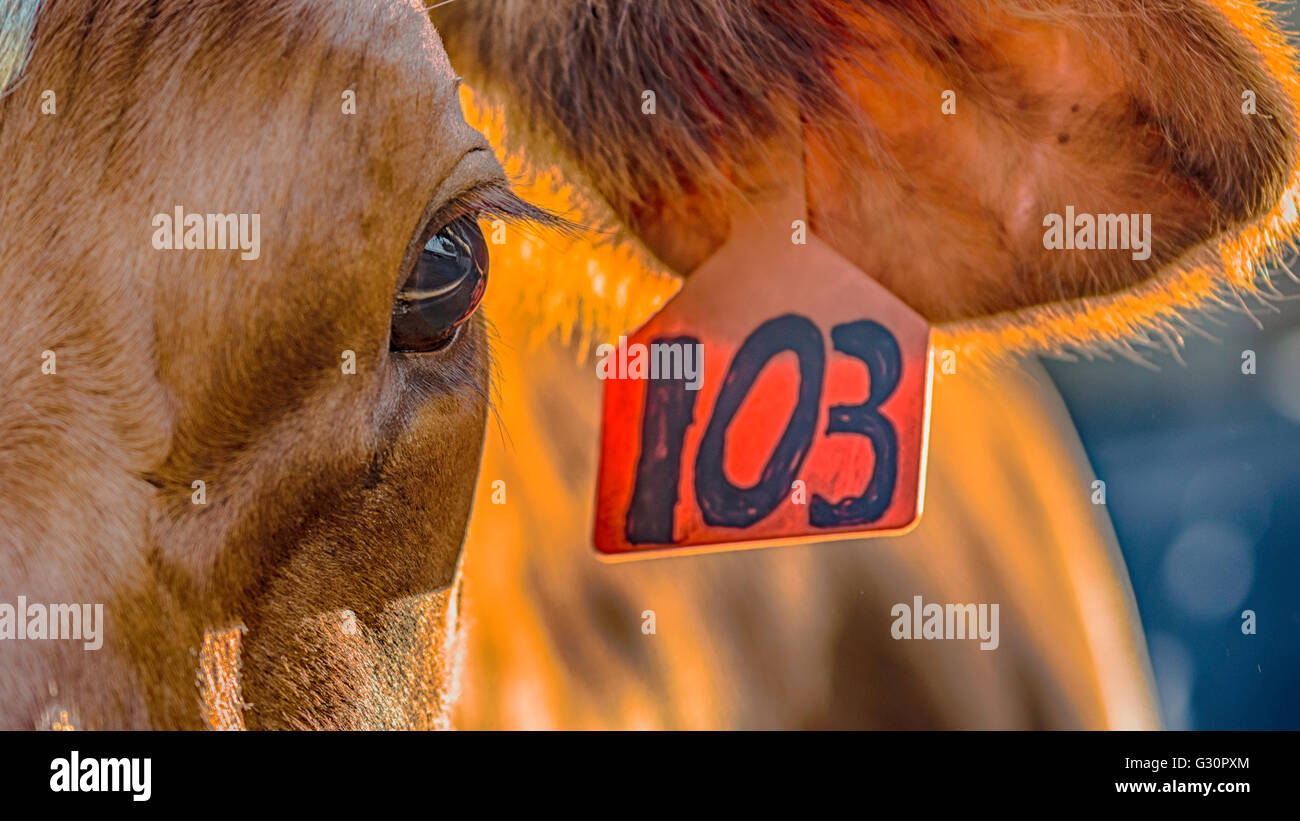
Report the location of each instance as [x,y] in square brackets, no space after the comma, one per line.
[330,646]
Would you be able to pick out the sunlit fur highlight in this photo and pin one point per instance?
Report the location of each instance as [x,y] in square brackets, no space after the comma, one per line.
[580,288]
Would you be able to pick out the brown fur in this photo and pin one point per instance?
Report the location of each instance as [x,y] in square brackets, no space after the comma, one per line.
[325,491]
[1107,105]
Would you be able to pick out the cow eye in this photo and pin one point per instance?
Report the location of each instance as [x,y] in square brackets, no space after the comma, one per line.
[443,290]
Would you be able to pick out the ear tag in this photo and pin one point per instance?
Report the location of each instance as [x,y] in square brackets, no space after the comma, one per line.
[781,396]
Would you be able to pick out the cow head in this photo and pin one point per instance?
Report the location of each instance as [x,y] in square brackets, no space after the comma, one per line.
[281,436]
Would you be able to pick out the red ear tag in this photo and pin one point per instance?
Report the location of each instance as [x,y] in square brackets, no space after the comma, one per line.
[781,396]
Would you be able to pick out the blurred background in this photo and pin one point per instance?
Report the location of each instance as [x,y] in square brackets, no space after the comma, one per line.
[1202,469]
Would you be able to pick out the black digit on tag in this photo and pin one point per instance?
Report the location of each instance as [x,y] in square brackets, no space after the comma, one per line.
[721,502]
[669,411]
[878,349]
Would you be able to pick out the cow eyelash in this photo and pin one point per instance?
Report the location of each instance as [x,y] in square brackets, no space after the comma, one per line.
[495,199]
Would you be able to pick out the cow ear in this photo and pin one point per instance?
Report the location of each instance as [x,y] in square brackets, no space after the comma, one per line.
[944,140]
[995,167]
[987,204]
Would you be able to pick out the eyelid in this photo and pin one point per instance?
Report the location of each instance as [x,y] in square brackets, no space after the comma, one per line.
[460,205]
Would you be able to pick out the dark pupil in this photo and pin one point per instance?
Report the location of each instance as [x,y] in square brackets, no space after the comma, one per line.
[444,289]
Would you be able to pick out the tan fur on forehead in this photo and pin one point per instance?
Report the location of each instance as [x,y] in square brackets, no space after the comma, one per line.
[110,64]
[1110,105]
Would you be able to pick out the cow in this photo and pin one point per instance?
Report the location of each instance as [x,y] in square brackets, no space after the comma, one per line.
[939,140]
[260,461]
